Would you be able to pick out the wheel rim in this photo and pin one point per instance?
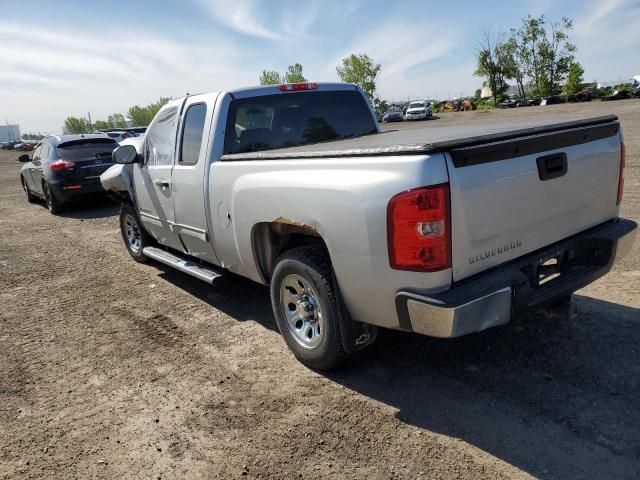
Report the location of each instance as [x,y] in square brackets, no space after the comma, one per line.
[132,233]
[301,311]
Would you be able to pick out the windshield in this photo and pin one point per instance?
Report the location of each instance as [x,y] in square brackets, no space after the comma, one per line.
[291,119]
[416,105]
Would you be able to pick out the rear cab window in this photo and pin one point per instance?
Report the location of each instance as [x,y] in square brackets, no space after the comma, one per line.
[291,119]
[99,148]
[192,132]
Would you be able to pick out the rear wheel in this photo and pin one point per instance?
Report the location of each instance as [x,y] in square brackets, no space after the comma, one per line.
[53,204]
[31,198]
[133,233]
[306,307]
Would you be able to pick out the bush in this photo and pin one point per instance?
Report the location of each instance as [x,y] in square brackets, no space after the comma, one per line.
[485,105]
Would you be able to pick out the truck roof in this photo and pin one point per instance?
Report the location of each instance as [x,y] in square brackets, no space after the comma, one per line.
[463,138]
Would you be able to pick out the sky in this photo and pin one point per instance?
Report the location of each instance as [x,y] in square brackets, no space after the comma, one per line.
[70,58]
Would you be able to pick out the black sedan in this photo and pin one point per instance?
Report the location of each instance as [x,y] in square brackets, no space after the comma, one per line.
[394,115]
[64,169]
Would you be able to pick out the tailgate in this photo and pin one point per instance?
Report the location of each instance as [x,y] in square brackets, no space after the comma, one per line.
[512,197]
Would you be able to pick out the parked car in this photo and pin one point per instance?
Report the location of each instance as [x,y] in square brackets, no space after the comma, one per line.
[355,229]
[10,145]
[553,100]
[64,169]
[617,95]
[118,135]
[418,111]
[378,115]
[581,96]
[25,146]
[508,103]
[392,115]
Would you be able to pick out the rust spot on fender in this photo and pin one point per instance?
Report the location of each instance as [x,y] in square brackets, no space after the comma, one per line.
[288,221]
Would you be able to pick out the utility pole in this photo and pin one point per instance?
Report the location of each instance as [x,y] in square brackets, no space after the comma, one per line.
[90,124]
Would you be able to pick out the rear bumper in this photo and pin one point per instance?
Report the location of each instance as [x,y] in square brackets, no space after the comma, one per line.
[68,191]
[493,297]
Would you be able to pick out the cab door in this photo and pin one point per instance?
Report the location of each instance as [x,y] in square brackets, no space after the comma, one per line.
[190,176]
[28,172]
[36,173]
[152,178]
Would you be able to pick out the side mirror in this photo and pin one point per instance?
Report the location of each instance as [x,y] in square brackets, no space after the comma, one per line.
[24,158]
[125,155]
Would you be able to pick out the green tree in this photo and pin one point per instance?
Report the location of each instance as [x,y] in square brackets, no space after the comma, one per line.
[294,74]
[100,125]
[381,105]
[362,71]
[77,125]
[142,116]
[574,79]
[545,53]
[117,120]
[478,93]
[491,64]
[270,77]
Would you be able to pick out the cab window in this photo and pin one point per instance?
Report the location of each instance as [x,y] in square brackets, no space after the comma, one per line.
[192,133]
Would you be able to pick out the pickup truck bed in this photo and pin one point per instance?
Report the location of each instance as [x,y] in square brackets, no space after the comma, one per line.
[460,140]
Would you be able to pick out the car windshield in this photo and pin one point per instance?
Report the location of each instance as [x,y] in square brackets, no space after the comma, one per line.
[291,119]
[416,105]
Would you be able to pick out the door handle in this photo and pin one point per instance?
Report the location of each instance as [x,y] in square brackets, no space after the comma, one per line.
[163,183]
[552,166]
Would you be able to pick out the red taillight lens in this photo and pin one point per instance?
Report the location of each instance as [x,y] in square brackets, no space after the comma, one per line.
[418,229]
[621,175]
[294,87]
[60,165]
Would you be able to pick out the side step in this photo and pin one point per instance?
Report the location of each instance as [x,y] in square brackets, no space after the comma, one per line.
[182,264]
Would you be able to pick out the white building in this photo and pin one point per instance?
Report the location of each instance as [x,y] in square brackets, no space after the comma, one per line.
[9,133]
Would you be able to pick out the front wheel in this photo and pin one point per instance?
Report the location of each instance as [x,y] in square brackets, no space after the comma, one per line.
[306,307]
[134,236]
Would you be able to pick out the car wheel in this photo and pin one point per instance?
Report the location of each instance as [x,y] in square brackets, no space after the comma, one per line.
[306,307]
[31,198]
[53,204]
[134,236]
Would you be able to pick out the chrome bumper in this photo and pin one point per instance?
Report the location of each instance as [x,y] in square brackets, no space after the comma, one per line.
[492,298]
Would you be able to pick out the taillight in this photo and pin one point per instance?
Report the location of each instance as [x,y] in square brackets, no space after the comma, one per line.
[419,230]
[60,165]
[621,174]
[294,87]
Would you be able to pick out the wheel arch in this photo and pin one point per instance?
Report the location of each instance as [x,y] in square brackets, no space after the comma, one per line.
[269,240]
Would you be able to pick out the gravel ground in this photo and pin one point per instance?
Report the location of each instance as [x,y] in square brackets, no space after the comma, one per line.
[112,369]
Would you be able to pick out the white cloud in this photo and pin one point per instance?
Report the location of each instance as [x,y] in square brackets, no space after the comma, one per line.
[240,15]
[404,50]
[607,37]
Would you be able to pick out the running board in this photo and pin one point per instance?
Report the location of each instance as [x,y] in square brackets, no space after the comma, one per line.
[182,264]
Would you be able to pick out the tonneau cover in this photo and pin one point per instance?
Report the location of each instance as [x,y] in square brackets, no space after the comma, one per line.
[422,140]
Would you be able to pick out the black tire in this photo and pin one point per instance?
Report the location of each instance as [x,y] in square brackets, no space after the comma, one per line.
[53,204]
[312,264]
[31,198]
[134,236]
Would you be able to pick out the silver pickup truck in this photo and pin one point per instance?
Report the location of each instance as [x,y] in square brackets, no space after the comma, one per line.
[439,231]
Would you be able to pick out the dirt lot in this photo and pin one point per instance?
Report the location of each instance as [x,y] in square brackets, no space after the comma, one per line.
[112,369]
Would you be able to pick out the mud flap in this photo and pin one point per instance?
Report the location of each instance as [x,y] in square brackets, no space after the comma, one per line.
[355,335]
